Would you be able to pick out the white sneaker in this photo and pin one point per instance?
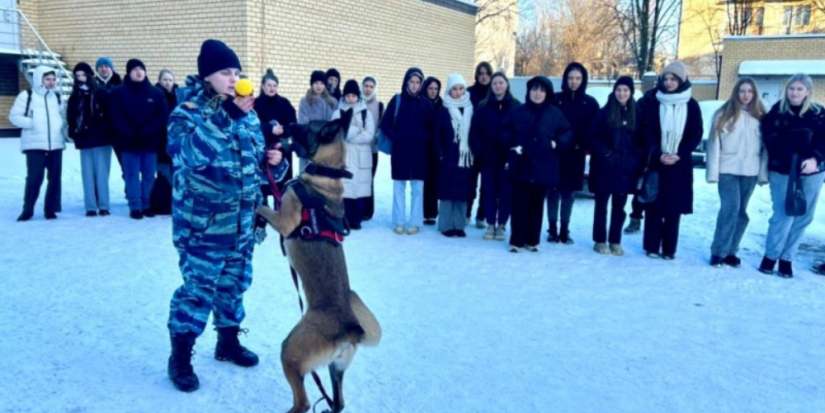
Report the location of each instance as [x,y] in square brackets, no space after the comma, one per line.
[491,233]
[399,230]
[501,233]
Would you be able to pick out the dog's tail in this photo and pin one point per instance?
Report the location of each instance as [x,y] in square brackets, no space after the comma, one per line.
[368,324]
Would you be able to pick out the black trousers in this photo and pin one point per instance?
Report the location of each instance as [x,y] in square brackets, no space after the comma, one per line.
[474,189]
[354,211]
[661,232]
[638,209]
[39,165]
[369,202]
[617,216]
[431,191]
[528,213]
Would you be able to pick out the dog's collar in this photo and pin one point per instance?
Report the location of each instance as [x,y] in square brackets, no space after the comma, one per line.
[321,170]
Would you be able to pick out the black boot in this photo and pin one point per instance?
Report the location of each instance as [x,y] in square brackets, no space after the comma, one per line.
[785,269]
[25,216]
[716,261]
[733,261]
[767,266]
[553,234]
[229,348]
[180,363]
[564,234]
[818,269]
[634,226]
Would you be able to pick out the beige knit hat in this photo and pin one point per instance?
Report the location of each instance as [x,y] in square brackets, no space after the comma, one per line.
[678,69]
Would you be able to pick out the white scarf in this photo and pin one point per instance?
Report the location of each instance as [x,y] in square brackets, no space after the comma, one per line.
[673,117]
[461,126]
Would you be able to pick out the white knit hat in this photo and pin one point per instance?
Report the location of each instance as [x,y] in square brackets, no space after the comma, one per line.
[454,79]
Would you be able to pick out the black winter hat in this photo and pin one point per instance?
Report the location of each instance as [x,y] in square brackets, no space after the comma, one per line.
[216,56]
[318,76]
[352,87]
[333,73]
[133,63]
[625,80]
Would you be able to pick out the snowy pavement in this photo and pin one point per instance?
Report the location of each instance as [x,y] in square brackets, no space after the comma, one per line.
[468,327]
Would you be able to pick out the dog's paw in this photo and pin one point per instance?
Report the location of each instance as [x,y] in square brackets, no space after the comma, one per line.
[264,211]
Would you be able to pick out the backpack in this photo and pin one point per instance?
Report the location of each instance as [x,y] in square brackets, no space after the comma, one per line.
[29,101]
[384,142]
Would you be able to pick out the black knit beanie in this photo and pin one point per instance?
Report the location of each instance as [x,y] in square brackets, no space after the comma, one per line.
[318,76]
[625,80]
[133,63]
[352,87]
[216,56]
[334,73]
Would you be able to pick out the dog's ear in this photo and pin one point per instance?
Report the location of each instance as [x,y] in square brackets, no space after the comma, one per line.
[331,130]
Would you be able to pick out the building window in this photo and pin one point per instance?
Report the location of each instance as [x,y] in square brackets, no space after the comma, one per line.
[759,17]
[802,16]
[787,16]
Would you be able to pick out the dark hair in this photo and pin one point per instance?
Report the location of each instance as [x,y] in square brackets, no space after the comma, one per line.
[491,95]
[269,75]
[615,108]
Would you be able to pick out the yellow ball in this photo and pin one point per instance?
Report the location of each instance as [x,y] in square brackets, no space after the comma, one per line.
[244,88]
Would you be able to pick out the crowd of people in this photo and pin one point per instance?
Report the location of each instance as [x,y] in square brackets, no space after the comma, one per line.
[454,145]
[202,154]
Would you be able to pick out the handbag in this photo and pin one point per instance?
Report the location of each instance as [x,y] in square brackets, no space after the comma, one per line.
[648,185]
[795,204]
[383,141]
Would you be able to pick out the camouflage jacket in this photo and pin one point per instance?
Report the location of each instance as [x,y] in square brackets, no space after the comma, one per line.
[219,167]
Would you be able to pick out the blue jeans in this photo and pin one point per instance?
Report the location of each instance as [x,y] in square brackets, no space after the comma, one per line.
[497,196]
[399,218]
[95,164]
[139,169]
[785,232]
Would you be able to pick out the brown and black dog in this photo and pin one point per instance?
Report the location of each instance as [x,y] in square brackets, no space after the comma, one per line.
[336,321]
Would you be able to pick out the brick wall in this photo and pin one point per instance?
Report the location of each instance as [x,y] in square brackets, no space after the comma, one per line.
[5,108]
[738,50]
[293,37]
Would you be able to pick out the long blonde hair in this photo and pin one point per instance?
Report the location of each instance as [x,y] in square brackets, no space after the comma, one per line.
[807,104]
[730,111]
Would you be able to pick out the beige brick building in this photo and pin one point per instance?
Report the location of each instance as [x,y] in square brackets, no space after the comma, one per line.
[381,38]
[771,60]
[705,24]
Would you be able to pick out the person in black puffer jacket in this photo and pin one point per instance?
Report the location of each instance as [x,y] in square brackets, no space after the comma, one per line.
[478,92]
[616,145]
[431,89]
[534,133]
[410,134]
[579,109]
[87,128]
[491,155]
[794,135]
[161,198]
[276,113]
[139,115]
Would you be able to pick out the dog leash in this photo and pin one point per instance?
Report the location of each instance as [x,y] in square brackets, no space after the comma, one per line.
[273,186]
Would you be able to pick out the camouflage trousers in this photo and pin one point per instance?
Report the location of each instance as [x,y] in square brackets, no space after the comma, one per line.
[212,282]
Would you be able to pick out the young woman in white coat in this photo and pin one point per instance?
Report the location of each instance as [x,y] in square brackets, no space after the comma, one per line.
[737,161]
[360,136]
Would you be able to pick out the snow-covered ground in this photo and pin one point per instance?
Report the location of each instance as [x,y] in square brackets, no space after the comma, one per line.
[468,327]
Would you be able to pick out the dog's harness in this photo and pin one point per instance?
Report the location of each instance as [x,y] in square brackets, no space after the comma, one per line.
[317,224]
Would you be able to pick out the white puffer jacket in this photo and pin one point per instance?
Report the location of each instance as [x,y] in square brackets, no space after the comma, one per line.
[738,150]
[360,136]
[43,124]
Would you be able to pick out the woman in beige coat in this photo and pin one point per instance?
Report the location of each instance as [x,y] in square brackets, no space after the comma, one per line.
[737,161]
[360,136]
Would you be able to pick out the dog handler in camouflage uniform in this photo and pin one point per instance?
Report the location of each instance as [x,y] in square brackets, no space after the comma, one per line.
[220,162]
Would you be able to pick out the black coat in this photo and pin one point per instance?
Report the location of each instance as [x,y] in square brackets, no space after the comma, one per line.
[87,127]
[277,108]
[675,181]
[453,181]
[478,93]
[104,104]
[535,128]
[616,154]
[410,134]
[486,139]
[139,116]
[781,142]
[171,104]
[579,110]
